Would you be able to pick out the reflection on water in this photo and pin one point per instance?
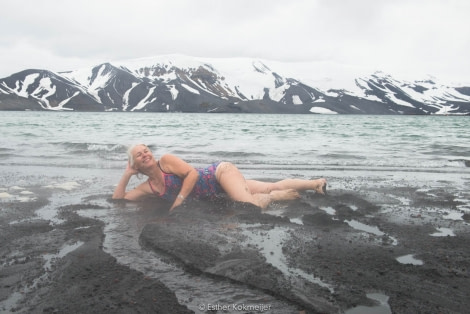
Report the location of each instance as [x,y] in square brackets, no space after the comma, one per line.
[409,259]
[443,232]
[270,242]
[369,229]
[66,249]
[381,308]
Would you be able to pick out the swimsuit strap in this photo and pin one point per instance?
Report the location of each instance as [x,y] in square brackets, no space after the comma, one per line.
[158,163]
[165,174]
[151,187]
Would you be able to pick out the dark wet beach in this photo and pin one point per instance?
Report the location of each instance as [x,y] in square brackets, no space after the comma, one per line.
[402,244]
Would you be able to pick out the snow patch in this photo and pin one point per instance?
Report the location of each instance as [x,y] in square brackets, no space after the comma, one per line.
[190,89]
[173,91]
[400,102]
[22,89]
[296,100]
[61,105]
[321,110]
[145,100]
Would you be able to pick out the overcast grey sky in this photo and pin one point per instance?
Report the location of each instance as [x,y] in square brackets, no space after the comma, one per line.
[413,37]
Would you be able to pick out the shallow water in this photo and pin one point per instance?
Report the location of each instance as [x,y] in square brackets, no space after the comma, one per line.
[409,259]
[381,308]
[123,227]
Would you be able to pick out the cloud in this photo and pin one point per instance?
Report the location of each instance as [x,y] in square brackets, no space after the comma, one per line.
[412,37]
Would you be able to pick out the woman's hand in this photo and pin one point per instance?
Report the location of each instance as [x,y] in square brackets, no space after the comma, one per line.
[131,170]
[120,191]
[178,201]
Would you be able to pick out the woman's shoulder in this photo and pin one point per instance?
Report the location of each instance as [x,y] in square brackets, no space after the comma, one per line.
[172,164]
[169,158]
[167,162]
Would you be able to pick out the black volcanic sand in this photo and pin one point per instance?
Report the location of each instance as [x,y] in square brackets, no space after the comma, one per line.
[233,242]
[86,280]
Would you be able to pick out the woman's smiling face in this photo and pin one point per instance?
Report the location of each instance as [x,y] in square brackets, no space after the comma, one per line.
[142,157]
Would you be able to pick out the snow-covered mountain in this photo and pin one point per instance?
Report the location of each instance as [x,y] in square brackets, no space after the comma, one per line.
[189,84]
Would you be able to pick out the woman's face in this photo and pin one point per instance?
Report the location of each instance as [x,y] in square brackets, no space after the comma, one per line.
[143,157]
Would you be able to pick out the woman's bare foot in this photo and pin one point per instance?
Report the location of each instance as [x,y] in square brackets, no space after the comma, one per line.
[284,195]
[320,186]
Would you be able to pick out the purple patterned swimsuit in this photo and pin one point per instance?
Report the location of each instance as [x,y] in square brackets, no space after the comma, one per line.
[206,186]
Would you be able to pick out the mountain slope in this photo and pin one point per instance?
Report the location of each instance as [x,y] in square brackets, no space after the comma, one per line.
[187,84]
[44,90]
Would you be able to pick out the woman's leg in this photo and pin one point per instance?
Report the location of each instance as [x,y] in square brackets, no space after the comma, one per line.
[318,185]
[235,185]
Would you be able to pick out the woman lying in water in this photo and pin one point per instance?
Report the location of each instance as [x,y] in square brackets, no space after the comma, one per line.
[175,180]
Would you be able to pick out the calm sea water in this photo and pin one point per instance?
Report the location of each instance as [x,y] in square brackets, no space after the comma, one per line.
[289,142]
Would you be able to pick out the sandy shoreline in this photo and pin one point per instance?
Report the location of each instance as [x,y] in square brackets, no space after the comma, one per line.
[401,244]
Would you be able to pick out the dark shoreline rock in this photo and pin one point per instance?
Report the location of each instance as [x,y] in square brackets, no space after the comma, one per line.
[86,279]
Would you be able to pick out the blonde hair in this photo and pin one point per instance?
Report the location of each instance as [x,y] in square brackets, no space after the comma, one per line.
[130,157]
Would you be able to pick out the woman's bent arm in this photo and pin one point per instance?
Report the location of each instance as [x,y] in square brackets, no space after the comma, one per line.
[187,173]
[120,191]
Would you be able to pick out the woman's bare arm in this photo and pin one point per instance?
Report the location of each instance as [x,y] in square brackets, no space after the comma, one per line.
[120,191]
[186,172]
